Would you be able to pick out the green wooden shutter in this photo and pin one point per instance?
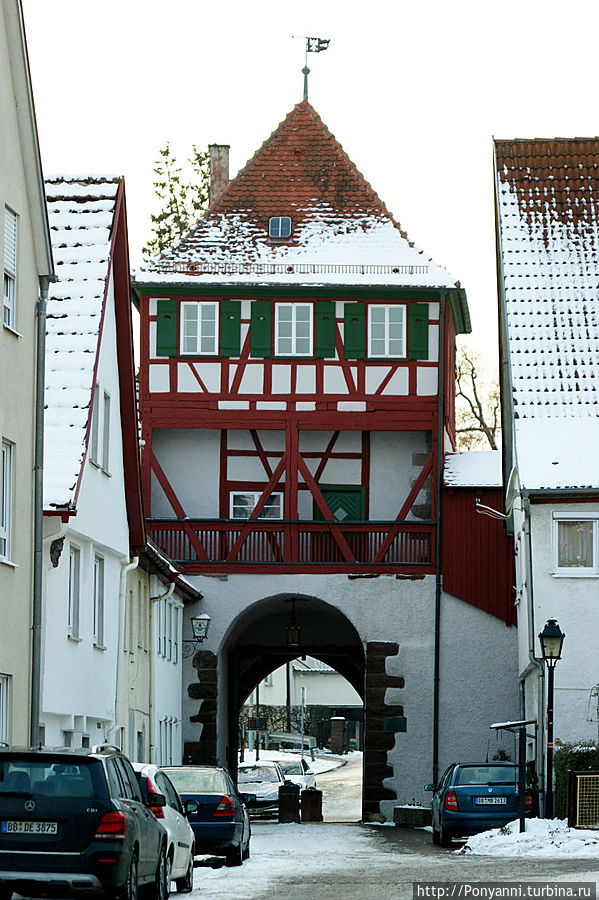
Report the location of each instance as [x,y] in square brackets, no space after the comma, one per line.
[418,331]
[167,328]
[261,328]
[230,328]
[324,343]
[354,335]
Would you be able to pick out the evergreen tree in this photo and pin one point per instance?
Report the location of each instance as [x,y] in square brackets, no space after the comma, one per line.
[180,202]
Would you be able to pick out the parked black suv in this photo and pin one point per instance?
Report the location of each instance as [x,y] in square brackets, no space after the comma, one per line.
[74,821]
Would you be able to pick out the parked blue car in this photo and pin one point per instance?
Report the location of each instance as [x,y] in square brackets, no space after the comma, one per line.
[472,797]
[221,824]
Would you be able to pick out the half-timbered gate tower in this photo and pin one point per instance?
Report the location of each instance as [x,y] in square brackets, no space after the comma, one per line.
[297,399]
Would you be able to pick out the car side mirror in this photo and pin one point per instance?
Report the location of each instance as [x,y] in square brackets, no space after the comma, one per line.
[429,787]
[248,798]
[309,772]
[155,799]
[190,807]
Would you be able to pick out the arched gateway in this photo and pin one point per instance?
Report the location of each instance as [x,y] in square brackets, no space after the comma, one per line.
[297,402]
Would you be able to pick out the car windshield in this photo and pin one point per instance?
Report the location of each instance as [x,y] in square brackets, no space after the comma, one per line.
[45,776]
[486,775]
[291,768]
[197,781]
[253,774]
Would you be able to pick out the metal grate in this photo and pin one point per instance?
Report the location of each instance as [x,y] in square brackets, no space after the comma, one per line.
[584,800]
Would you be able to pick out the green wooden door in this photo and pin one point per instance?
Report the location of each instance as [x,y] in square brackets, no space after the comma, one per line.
[346,502]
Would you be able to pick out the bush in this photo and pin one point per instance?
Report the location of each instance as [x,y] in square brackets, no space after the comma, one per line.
[577,757]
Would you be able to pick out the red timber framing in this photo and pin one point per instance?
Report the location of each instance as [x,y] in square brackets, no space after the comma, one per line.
[264,544]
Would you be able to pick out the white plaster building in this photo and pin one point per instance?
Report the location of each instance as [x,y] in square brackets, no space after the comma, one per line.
[26,259]
[547,221]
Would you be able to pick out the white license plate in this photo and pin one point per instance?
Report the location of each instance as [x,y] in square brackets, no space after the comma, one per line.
[490,801]
[29,827]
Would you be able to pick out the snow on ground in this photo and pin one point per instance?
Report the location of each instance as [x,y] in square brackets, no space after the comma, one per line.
[543,837]
[319,765]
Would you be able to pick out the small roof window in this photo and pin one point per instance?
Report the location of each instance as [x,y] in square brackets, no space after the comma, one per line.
[279,227]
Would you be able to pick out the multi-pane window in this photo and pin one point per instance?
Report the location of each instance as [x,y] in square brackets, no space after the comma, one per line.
[293,329]
[106,433]
[386,331]
[94,449]
[199,328]
[99,601]
[99,449]
[10,267]
[74,590]
[243,504]
[168,621]
[576,544]
[279,227]
[6,499]
[4,701]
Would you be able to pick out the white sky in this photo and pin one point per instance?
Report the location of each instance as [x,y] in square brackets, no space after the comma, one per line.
[414,92]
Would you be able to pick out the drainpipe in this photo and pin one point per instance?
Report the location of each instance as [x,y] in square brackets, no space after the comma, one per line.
[540,752]
[125,569]
[153,600]
[438,576]
[38,527]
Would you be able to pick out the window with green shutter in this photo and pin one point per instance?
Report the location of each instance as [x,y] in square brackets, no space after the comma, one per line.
[230,328]
[418,331]
[261,328]
[166,328]
[324,343]
[354,332]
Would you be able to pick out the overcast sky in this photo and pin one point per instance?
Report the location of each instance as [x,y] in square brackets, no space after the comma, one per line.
[414,91]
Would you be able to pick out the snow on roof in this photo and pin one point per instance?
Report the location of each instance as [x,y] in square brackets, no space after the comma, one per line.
[474,468]
[342,233]
[548,203]
[81,211]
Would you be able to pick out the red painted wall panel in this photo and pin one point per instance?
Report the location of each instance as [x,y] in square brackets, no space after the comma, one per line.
[477,556]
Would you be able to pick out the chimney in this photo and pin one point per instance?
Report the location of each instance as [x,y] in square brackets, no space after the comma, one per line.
[219,170]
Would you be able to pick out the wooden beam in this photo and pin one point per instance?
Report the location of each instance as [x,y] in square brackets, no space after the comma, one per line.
[274,479]
[177,508]
[416,488]
[326,512]
[261,453]
[325,457]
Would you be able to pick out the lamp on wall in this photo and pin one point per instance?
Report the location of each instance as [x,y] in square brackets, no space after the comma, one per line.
[294,628]
[552,639]
[199,631]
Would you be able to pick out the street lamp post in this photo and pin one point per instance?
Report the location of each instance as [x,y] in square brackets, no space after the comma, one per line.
[551,638]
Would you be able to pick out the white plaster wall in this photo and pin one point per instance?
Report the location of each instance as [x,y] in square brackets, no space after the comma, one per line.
[190,458]
[322,689]
[392,470]
[167,675]
[574,602]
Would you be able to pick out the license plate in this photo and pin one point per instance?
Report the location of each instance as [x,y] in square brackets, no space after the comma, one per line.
[29,828]
[490,801]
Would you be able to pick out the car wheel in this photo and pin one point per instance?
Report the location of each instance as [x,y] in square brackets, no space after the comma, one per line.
[129,891]
[235,857]
[185,885]
[444,836]
[167,876]
[158,889]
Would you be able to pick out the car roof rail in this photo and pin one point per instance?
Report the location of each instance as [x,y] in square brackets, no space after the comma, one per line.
[105,748]
[4,744]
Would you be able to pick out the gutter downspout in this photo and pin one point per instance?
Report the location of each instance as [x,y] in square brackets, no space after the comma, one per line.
[125,569]
[540,750]
[38,527]
[438,576]
[154,600]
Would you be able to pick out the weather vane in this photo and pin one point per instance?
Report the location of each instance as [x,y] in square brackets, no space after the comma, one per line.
[313,45]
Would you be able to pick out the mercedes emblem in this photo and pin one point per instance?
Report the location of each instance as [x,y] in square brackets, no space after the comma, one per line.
[29,805]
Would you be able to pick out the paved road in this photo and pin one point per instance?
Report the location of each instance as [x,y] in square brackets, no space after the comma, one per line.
[342,791]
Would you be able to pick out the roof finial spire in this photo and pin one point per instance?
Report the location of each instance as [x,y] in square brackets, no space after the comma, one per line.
[313,45]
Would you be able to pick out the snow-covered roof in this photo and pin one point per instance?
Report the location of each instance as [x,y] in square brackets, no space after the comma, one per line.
[81,211]
[342,233]
[473,468]
[548,203]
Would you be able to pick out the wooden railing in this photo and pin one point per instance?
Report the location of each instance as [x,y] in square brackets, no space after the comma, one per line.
[261,544]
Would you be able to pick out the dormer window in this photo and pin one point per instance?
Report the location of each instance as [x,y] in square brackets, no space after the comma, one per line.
[279,227]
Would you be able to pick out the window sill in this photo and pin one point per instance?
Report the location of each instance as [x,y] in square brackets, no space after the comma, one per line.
[94,463]
[576,573]
[9,563]
[74,638]
[13,331]
[99,646]
[106,472]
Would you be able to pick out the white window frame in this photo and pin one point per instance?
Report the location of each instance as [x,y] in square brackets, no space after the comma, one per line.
[106,401]
[387,354]
[94,445]
[294,307]
[274,227]
[7,487]
[195,350]
[576,571]
[74,591]
[256,497]
[11,232]
[5,708]
[99,587]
